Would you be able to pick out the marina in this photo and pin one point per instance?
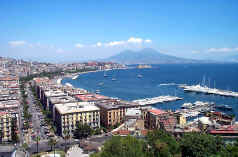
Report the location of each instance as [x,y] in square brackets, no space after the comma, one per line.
[207,90]
[155,100]
[190,110]
[75,77]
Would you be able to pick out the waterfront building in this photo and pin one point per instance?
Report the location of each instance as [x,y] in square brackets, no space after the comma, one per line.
[68,115]
[156,119]
[113,111]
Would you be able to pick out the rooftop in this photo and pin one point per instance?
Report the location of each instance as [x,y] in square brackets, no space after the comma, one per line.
[115,103]
[157,111]
[62,99]
[75,107]
[54,93]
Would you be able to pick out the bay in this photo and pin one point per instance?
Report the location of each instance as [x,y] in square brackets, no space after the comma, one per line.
[163,80]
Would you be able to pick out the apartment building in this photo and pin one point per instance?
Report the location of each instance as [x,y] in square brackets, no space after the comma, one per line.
[6,122]
[113,111]
[68,115]
[160,119]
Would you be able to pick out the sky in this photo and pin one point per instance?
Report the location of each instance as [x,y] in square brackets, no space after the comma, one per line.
[75,30]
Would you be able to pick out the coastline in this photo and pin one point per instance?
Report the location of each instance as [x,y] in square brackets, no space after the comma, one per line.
[59,80]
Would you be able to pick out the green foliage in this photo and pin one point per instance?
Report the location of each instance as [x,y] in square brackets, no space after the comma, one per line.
[97,131]
[83,131]
[163,144]
[200,145]
[123,147]
[14,135]
[52,142]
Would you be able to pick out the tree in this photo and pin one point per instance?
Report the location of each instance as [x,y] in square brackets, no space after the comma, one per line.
[1,135]
[66,137]
[162,143]
[37,139]
[52,142]
[200,145]
[82,131]
[14,135]
[25,146]
[123,147]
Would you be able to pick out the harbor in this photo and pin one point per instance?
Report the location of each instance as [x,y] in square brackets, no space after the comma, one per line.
[155,100]
[207,90]
[190,110]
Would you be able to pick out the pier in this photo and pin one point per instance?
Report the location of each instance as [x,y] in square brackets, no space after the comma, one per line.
[189,110]
[155,100]
[207,90]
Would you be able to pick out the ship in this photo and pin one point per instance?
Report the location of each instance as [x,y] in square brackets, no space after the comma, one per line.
[139,76]
[143,66]
[75,77]
[223,107]
[105,75]
[101,83]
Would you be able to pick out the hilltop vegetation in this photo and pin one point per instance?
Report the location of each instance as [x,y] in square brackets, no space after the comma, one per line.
[161,144]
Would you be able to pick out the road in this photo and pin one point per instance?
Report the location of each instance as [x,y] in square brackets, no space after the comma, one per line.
[37,117]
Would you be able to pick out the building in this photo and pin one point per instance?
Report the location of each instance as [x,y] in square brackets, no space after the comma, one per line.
[68,115]
[6,122]
[113,111]
[159,119]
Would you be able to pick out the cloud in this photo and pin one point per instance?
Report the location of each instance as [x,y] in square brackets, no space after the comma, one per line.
[134,40]
[131,40]
[98,44]
[17,43]
[222,49]
[115,43]
[79,45]
[148,41]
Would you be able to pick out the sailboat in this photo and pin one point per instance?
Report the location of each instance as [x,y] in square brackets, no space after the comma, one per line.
[105,75]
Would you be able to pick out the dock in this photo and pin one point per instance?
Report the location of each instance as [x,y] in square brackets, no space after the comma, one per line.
[207,90]
[189,110]
[155,100]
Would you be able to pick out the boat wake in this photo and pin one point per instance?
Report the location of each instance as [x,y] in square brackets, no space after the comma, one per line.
[168,84]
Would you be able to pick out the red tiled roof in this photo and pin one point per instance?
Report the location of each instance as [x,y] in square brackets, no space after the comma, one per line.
[124,132]
[224,131]
[121,132]
[157,111]
[144,132]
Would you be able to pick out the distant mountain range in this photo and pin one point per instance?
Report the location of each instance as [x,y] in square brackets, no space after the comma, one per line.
[148,56]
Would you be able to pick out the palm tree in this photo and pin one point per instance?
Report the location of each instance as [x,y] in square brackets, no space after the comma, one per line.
[1,136]
[52,142]
[66,137]
[37,139]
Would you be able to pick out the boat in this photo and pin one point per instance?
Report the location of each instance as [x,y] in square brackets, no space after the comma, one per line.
[75,77]
[97,91]
[101,83]
[113,79]
[223,107]
[105,75]
[144,66]
[139,76]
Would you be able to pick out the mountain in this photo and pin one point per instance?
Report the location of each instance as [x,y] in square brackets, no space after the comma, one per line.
[147,56]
